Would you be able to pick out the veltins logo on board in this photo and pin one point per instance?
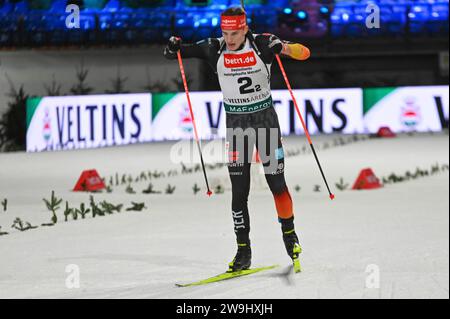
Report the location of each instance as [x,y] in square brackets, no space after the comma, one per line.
[186,124]
[410,113]
[47,128]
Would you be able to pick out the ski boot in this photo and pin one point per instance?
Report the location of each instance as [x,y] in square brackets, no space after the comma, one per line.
[293,248]
[243,258]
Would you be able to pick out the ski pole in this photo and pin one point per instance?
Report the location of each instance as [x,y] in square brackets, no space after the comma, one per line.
[183,75]
[303,123]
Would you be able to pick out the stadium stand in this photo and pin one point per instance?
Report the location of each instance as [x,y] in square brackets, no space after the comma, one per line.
[36,23]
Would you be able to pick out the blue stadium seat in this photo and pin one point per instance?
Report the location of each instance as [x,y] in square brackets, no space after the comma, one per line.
[342,14]
[392,22]
[418,16]
[92,8]
[6,8]
[161,20]
[219,5]
[56,22]
[35,22]
[126,9]
[21,7]
[112,6]
[340,20]
[397,22]
[202,33]
[121,20]
[356,21]
[439,18]
[7,24]
[140,19]
[58,6]
[105,20]
[264,18]
[184,25]
[87,21]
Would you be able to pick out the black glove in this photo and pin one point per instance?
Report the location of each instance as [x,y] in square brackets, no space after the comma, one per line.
[174,44]
[275,44]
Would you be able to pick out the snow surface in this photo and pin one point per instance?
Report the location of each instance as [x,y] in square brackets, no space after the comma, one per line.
[402,229]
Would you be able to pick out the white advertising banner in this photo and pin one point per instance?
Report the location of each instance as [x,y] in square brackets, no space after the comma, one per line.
[406,109]
[172,117]
[324,111]
[73,122]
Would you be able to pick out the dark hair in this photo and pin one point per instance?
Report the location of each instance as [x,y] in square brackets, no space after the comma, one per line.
[233,11]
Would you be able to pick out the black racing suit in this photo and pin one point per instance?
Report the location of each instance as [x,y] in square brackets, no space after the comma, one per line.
[267,140]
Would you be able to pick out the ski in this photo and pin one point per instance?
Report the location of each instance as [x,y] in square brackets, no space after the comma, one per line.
[296,259]
[227,276]
[297,266]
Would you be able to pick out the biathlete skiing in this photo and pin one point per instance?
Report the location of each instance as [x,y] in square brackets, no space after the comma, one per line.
[242,61]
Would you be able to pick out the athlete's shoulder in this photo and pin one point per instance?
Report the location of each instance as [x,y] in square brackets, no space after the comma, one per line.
[263,37]
[262,40]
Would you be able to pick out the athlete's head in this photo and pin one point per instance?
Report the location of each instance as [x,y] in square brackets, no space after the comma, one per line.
[234,27]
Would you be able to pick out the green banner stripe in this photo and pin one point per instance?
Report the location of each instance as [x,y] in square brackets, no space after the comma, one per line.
[248,108]
[371,96]
[159,100]
[32,105]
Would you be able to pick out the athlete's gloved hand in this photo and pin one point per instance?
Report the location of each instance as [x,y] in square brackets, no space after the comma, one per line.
[275,44]
[174,44]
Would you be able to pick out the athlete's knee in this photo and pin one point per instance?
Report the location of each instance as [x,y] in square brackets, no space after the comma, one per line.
[240,199]
[277,185]
[283,204]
